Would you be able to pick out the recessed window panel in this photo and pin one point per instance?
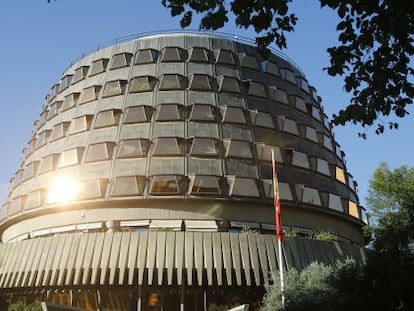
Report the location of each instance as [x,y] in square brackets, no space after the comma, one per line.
[241,169]
[261,119]
[133,148]
[225,57]
[204,166]
[353,209]
[340,175]
[303,84]
[300,159]
[299,103]
[204,185]
[35,199]
[201,82]
[42,138]
[278,95]
[308,195]
[107,118]
[229,84]
[288,125]
[53,109]
[167,165]
[270,68]
[200,112]
[249,61]
[65,82]
[81,124]
[100,152]
[167,185]
[198,129]
[322,167]
[121,60]
[16,205]
[92,189]
[311,134]
[146,56]
[237,149]
[255,89]
[59,131]
[204,147]
[69,101]
[170,112]
[30,170]
[327,143]
[70,157]
[199,55]
[264,153]
[98,66]
[114,88]
[236,132]
[138,114]
[335,202]
[173,54]
[48,163]
[244,187]
[89,94]
[172,82]
[288,75]
[233,115]
[326,122]
[128,186]
[316,113]
[284,190]
[80,74]
[142,84]
[168,146]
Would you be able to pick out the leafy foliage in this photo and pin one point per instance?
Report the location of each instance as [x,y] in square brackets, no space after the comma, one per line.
[373,55]
[24,306]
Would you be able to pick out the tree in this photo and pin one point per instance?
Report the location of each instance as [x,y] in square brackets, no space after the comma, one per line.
[373,54]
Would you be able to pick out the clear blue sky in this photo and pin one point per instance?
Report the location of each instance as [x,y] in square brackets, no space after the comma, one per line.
[39,40]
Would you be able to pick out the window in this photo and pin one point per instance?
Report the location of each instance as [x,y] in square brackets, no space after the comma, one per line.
[99,152]
[30,170]
[167,185]
[316,113]
[322,167]
[270,68]
[98,66]
[288,75]
[340,175]
[241,169]
[264,153]
[255,89]
[261,119]
[228,84]
[327,143]
[138,114]
[81,124]
[303,84]
[54,91]
[236,132]
[128,186]
[201,112]
[299,103]
[35,199]
[114,88]
[232,115]
[287,125]
[278,95]
[42,138]
[121,60]
[48,163]
[204,147]
[248,61]
[245,187]
[59,131]
[335,202]
[199,55]
[54,109]
[326,122]
[284,190]
[168,146]
[308,195]
[70,157]
[172,82]
[300,159]
[69,101]
[80,74]
[146,56]
[107,118]
[311,134]
[92,189]
[170,112]
[198,129]
[142,84]
[168,129]
[167,166]
[353,209]
[65,82]
[225,57]
[89,94]
[204,166]
[173,54]
[201,82]
[133,148]
[205,185]
[237,149]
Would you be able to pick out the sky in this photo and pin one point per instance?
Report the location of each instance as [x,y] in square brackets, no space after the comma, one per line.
[40,40]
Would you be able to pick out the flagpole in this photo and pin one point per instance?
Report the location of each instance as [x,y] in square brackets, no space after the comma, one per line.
[278,224]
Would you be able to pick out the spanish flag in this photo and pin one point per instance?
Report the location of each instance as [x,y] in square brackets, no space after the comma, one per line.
[276,201]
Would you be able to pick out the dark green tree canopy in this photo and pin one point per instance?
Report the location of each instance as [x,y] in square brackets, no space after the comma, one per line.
[373,54]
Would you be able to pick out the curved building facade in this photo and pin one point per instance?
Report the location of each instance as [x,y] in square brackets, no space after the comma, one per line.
[148,180]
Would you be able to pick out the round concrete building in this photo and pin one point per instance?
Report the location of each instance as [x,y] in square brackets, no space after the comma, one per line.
[147,181]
